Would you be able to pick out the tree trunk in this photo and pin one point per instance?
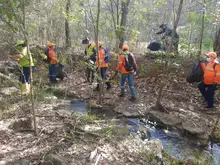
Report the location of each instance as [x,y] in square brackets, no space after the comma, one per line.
[202,31]
[124,15]
[98,55]
[169,50]
[67,26]
[217,42]
[25,33]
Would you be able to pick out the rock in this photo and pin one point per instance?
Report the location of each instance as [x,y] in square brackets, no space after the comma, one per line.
[131,110]
[53,159]
[156,147]
[19,162]
[9,91]
[144,132]
[166,119]
[21,124]
[8,66]
[194,128]
[51,98]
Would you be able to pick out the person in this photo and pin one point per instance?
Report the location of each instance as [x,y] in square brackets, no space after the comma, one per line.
[167,33]
[211,79]
[53,61]
[102,65]
[125,72]
[90,56]
[24,65]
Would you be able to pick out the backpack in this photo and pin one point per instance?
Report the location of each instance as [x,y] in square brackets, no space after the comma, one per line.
[196,74]
[107,55]
[129,63]
[46,52]
[61,71]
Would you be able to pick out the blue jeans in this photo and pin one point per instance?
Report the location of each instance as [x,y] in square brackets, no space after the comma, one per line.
[130,77]
[208,92]
[53,73]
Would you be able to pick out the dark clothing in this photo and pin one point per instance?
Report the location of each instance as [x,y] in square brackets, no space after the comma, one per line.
[25,75]
[154,46]
[167,32]
[53,73]
[208,92]
[90,74]
[104,77]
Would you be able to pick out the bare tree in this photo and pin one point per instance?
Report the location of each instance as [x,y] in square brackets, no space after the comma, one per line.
[217,42]
[202,29]
[67,26]
[169,50]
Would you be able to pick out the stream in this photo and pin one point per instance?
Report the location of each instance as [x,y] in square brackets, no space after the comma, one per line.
[173,143]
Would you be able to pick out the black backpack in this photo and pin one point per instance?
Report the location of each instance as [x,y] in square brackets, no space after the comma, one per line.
[196,74]
[129,63]
[46,52]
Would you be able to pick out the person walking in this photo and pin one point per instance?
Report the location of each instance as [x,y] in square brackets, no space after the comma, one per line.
[211,79]
[127,66]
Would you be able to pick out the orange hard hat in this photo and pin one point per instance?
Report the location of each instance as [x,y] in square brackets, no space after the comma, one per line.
[51,44]
[99,43]
[125,47]
[212,54]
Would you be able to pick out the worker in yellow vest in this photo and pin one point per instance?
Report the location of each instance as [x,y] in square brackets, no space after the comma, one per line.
[90,56]
[24,65]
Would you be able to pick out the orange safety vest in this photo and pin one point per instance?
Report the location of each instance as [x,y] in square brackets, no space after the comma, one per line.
[101,63]
[53,55]
[217,74]
[209,73]
[121,63]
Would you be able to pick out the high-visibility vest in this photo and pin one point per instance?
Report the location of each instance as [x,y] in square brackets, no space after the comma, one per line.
[209,73]
[24,61]
[217,74]
[89,49]
[101,63]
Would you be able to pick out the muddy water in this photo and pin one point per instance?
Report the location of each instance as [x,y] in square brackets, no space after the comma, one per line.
[173,143]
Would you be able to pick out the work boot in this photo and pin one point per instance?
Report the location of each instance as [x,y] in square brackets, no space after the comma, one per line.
[97,88]
[132,99]
[122,94]
[108,85]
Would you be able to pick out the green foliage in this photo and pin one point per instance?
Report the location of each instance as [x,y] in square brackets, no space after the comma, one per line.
[207,43]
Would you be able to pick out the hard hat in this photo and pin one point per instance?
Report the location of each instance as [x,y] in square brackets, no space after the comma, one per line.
[125,47]
[51,44]
[20,42]
[85,41]
[212,54]
[99,43]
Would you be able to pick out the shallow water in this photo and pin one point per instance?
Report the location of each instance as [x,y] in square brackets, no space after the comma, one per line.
[177,146]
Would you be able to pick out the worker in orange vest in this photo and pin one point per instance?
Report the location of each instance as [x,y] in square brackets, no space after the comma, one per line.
[211,79]
[53,61]
[102,59]
[127,66]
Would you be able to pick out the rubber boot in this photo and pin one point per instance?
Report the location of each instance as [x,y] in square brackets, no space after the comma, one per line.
[24,89]
[132,99]
[28,88]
